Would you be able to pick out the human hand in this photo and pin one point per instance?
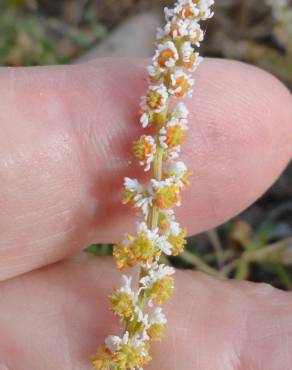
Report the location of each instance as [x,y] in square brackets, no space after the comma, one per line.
[64,150]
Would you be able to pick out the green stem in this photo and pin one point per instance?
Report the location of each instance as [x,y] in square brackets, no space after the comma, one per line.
[200,264]
[154,211]
[158,161]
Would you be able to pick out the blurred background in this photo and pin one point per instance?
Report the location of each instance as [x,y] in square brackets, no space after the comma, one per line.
[257,245]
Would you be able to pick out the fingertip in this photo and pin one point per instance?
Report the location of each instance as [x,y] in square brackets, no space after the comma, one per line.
[239,142]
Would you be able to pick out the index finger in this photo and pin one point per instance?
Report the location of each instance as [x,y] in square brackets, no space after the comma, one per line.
[65,148]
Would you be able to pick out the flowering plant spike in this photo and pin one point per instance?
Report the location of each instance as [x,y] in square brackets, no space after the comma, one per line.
[139,310]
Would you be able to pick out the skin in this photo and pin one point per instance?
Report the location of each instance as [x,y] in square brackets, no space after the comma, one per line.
[64,149]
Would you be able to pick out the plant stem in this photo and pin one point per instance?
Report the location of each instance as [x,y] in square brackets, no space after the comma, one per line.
[154,211]
[216,243]
[158,176]
[200,264]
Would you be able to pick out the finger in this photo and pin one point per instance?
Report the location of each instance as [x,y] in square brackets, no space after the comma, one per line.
[56,317]
[65,148]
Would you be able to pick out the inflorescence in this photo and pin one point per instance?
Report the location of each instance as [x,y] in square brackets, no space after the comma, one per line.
[158,232]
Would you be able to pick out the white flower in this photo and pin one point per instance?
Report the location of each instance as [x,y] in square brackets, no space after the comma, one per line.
[179,168]
[160,241]
[150,156]
[150,234]
[172,58]
[133,185]
[154,102]
[162,141]
[180,122]
[195,32]
[143,202]
[187,51]
[141,317]
[201,10]
[144,120]
[161,184]
[149,266]
[162,138]
[158,272]
[189,56]
[138,342]
[163,133]
[127,288]
[113,342]
[180,8]
[176,28]
[164,245]
[174,227]
[145,337]
[181,111]
[152,70]
[174,153]
[177,171]
[162,271]
[176,84]
[161,91]
[160,33]
[145,112]
[157,317]
[169,13]
[142,199]
[205,9]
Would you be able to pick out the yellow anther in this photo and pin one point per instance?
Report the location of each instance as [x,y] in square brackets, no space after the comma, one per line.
[167,197]
[162,290]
